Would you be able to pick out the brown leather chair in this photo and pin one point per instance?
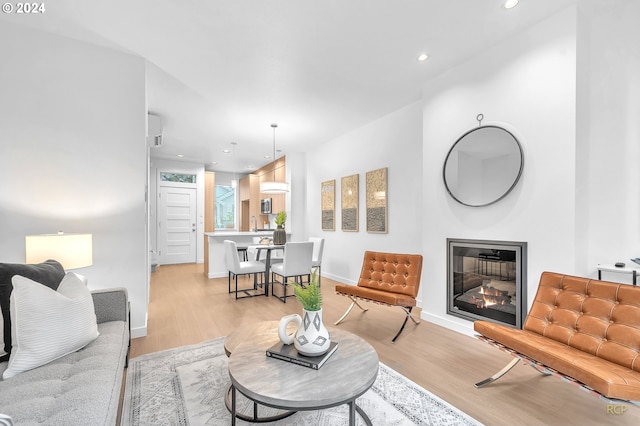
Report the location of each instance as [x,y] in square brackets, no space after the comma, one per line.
[389,279]
[584,330]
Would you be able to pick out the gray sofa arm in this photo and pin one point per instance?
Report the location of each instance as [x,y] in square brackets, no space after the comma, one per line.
[111,304]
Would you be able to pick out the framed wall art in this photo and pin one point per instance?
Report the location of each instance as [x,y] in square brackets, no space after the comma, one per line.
[328,205]
[377,201]
[349,203]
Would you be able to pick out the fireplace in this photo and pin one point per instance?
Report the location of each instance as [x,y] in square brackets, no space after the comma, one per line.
[487,280]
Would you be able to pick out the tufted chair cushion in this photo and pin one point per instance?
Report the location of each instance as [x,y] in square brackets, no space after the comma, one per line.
[583,328]
[390,272]
[596,317]
[389,278]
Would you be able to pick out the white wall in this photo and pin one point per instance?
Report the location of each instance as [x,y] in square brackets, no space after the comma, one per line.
[526,84]
[393,141]
[73,154]
[609,138]
[296,200]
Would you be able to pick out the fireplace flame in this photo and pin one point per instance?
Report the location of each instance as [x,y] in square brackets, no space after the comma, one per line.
[490,296]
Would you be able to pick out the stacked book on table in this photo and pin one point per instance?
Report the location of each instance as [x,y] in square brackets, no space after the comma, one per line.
[290,354]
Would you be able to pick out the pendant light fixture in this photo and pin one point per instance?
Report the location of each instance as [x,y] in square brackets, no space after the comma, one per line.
[273,187]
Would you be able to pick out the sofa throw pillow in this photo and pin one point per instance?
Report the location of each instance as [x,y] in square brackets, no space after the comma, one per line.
[49,273]
[48,324]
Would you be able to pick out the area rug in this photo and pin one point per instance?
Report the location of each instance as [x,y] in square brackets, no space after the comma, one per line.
[187,386]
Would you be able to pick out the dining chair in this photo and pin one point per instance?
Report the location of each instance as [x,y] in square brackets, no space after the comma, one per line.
[236,267]
[296,264]
[254,254]
[316,260]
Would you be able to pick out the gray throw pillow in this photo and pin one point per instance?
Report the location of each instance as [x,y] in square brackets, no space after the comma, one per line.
[48,273]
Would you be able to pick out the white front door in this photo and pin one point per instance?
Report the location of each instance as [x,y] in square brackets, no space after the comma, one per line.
[177,225]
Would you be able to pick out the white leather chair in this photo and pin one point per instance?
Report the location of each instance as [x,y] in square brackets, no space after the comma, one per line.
[316,260]
[236,267]
[296,264]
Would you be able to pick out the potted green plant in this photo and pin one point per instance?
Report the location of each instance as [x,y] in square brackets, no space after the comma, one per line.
[280,235]
[310,296]
[281,218]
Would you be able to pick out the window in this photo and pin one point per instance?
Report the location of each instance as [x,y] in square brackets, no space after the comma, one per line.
[225,210]
[177,177]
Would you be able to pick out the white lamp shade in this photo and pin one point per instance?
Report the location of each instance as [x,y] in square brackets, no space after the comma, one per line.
[71,250]
[274,187]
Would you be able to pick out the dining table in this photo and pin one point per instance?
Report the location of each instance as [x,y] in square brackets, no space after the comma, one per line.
[269,248]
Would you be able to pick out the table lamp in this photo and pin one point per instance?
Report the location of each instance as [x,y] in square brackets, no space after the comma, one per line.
[71,250]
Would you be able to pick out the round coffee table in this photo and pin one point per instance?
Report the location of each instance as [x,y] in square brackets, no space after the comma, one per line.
[257,331]
[263,331]
[346,375]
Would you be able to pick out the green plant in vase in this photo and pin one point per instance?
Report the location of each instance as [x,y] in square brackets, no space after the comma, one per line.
[312,337]
[281,218]
[279,235]
[310,296]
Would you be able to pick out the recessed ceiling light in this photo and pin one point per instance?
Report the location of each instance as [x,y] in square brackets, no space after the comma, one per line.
[180,155]
[226,151]
[251,167]
[267,156]
[509,4]
[423,57]
[213,163]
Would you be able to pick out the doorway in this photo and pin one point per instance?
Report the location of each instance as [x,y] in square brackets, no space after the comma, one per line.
[176,225]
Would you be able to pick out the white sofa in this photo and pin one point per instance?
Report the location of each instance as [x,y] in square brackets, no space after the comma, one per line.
[81,388]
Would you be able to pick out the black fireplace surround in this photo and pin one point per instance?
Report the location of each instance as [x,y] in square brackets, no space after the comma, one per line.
[487,280]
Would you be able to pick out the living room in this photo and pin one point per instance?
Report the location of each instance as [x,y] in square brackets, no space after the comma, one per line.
[74,156]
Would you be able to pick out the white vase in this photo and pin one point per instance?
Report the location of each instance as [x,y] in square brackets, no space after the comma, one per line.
[311,338]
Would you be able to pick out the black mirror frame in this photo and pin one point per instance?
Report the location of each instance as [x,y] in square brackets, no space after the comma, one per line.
[515,181]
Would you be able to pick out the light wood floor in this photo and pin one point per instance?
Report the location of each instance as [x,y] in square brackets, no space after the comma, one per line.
[185,308]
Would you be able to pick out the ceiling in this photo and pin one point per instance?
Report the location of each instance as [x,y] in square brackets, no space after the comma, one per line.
[220,72]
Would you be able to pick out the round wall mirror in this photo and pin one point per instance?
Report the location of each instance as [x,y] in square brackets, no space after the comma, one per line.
[483,166]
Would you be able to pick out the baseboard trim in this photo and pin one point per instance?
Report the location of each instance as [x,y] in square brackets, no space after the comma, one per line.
[138,332]
[466,329]
[340,279]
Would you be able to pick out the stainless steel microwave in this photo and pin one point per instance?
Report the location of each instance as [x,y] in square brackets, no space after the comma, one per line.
[265,206]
